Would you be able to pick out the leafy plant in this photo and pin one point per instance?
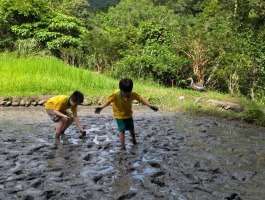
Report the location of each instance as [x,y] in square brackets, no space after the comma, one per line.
[253,114]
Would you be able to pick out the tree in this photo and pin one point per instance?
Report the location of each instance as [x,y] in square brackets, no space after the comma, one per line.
[76,8]
[249,24]
[36,20]
[19,19]
[199,55]
[142,34]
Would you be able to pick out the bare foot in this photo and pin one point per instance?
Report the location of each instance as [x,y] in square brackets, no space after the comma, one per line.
[133,141]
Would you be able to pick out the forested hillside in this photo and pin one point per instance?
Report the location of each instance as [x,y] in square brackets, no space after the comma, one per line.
[102,4]
[221,44]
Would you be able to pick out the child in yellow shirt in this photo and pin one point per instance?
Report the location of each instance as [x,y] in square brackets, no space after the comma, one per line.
[57,107]
[122,108]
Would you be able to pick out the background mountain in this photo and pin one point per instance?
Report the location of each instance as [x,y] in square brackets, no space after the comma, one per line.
[102,4]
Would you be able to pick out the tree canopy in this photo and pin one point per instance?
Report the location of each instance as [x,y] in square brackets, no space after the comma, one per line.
[221,43]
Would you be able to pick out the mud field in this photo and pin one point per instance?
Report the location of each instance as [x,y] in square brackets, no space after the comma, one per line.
[177,157]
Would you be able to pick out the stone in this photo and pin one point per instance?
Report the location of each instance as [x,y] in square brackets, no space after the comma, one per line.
[15,103]
[41,102]
[2,103]
[226,105]
[28,103]
[8,103]
[87,102]
[34,103]
[22,102]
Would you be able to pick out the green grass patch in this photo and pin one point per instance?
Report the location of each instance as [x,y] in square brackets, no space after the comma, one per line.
[38,75]
[41,75]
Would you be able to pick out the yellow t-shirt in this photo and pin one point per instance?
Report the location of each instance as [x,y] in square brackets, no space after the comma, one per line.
[122,108]
[60,103]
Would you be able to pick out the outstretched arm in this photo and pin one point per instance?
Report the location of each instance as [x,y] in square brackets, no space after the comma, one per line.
[144,102]
[99,108]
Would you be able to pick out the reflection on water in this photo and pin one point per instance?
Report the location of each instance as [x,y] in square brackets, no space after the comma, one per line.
[93,128]
[150,158]
[104,153]
[144,159]
[149,170]
[138,176]
[136,164]
[74,141]
[133,188]
[109,168]
[95,140]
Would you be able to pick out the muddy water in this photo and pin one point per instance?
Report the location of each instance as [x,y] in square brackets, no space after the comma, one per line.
[177,157]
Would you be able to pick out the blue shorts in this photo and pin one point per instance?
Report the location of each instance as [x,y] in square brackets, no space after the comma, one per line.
[125,124]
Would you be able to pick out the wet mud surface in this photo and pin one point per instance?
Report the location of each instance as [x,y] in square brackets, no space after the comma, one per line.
[177,157]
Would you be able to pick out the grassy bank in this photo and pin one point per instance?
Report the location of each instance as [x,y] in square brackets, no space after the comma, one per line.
[27,77]
[36,75]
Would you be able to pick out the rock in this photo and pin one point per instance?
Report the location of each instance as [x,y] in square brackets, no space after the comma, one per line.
[2,103]
[41,102]
[226,105]
[34,103]
[87,102]
[8,103]
[101,100]
[15,103]
[28,103]
[22,102]
[134,102]
[181,98]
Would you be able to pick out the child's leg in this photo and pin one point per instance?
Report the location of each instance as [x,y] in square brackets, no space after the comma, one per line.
[59,128]
[62,126]
[132,132]
[121,127]
[67,124]
[122,139]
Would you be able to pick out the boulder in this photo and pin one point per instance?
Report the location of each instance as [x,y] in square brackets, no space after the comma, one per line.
[226,105]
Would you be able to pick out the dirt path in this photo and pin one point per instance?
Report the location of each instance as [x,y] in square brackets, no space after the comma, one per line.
[178,157]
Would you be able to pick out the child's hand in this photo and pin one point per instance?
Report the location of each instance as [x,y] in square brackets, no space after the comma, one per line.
[154,108]
[83,134]
[98,110]
[66,117]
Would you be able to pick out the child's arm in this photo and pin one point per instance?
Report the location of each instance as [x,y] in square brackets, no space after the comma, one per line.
[144,102]
[78,124]
[99,108]
[59,114]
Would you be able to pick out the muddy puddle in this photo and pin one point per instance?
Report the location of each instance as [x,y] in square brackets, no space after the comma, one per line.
[177,157]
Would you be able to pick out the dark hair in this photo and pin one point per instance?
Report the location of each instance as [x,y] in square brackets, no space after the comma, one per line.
[126,85]
[77,97]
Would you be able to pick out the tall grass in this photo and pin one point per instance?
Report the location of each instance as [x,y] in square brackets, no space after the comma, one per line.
[29,76]
[38,75]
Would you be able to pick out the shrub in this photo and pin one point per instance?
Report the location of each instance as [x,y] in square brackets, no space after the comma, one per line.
[255,115]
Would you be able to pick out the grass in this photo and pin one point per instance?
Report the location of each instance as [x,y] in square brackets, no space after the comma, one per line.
[37,75]
[31,76]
